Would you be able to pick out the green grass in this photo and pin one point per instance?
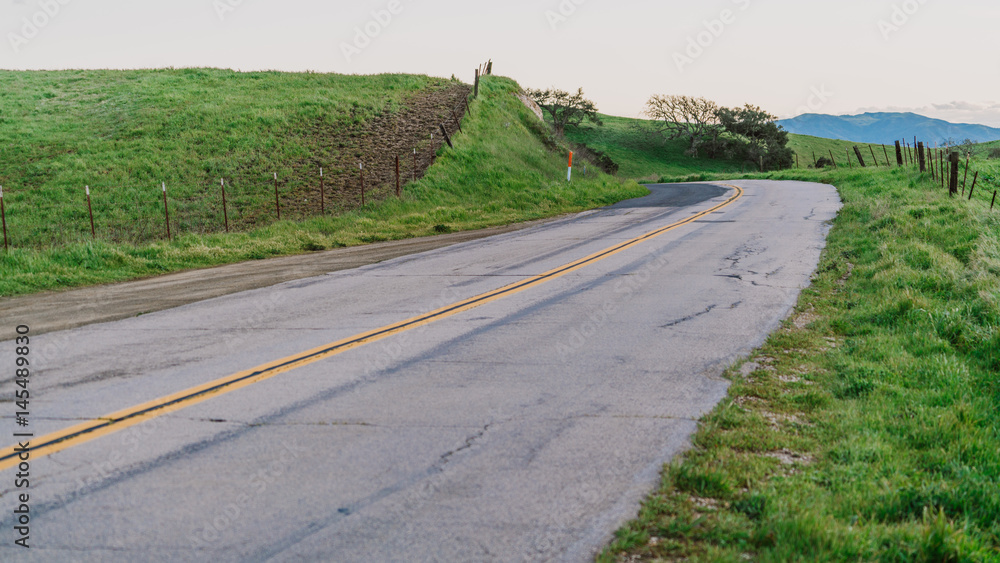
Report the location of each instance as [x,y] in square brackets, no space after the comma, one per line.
[124,133]
[868,427]
[806,146]
[643,156]
[648,158]
[503,169]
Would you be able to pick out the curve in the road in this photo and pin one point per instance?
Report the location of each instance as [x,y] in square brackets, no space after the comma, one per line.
[93,429]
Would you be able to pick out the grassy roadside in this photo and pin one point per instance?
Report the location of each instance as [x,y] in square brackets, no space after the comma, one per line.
[866,429]
[648,158]
[503,169]
[643,156]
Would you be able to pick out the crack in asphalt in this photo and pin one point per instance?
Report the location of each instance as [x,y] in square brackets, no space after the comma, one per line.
[708,310]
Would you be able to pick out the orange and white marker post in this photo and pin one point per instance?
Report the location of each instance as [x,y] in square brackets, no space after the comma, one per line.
[569,174]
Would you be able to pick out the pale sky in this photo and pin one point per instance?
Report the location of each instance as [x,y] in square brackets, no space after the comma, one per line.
[929,56]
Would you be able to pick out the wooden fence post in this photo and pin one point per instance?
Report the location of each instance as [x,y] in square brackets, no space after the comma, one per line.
[225,212]
[476,95]
[973,188]
[965,181]
[90,209]
[899,154]
[166,210]
[861,159]
[446,137]
[921,157]
[833,159]
[941,166]
[953,188]
[886,151]
[875,158]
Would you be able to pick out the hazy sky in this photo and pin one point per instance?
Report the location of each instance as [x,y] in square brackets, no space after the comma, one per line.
[933,57]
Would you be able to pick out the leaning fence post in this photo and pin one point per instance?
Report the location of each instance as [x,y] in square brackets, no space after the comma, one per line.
[90,209]
[225,212]
[886,151]
[861,159]
[457,122]
[446,137]
[166,210]
[973,188]
[994,200]
[3,217]
[833,159]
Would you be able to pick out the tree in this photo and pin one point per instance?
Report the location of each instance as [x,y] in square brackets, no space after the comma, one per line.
[565,108]
[686,117]
[758,134]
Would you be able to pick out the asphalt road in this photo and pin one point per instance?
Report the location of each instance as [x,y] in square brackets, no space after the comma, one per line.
[524,419]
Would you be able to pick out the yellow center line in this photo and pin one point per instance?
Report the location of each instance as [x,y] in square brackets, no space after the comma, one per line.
[97,427]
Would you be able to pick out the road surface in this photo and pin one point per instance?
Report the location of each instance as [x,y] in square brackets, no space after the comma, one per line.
[505,399]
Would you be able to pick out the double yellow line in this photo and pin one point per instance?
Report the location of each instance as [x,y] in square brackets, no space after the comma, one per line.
[114,422]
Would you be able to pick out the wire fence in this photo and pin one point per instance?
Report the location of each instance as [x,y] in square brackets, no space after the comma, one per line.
[41,217]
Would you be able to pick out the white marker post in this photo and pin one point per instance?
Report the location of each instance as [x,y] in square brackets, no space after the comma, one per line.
[569,174]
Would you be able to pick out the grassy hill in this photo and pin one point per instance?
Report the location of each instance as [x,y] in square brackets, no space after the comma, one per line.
[643,156]
[125,132]
[649,158]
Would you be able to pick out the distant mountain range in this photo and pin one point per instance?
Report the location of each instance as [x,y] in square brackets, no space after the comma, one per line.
[885,128]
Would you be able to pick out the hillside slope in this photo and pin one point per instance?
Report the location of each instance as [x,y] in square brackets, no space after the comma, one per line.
[504,168]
